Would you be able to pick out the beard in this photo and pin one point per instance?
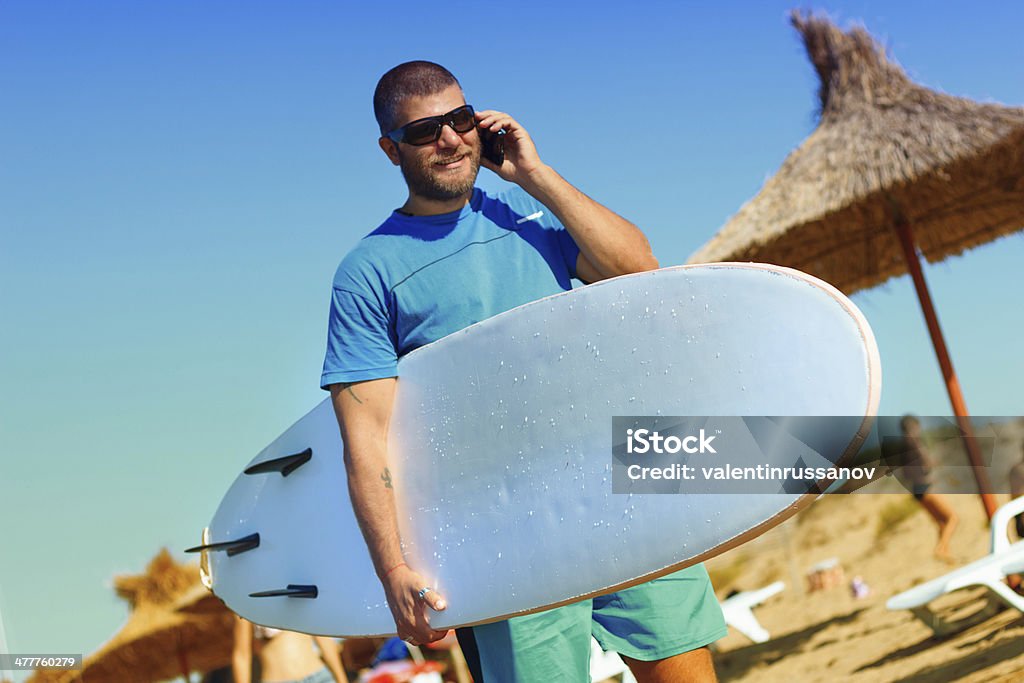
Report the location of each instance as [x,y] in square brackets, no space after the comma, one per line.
[428,180]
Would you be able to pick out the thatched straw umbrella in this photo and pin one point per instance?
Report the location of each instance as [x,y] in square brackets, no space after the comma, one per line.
[158,642]
[892,167]
[199,600]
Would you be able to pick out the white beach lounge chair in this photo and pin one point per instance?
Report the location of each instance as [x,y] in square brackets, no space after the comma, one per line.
[738,614]
[1004,558]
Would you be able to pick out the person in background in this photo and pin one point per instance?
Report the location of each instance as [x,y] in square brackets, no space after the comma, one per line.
[284,656]
[916,475]
[1017,490]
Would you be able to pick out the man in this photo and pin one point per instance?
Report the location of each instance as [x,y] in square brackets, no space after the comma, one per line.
[449,257]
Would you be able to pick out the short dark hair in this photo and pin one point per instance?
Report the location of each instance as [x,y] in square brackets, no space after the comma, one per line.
[411,79]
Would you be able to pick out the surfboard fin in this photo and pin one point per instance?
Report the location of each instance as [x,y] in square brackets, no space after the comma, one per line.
[232,547]
[292,591]
[285,464]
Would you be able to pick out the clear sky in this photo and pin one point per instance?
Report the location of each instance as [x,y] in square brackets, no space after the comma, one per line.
[178,181]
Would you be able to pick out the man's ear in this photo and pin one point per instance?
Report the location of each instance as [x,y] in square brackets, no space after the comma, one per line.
[390,147]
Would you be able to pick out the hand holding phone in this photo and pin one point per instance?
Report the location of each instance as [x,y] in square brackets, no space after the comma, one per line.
[513,155]
[492,145]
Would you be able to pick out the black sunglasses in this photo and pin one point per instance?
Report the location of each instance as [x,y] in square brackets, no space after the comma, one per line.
[425,131]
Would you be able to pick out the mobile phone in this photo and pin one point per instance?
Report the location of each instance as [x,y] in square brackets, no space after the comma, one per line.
[492,145]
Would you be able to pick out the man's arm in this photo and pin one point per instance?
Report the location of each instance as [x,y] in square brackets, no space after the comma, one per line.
[364,411]
[609,244]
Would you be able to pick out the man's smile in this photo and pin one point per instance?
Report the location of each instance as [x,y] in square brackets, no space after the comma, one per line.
[452,163]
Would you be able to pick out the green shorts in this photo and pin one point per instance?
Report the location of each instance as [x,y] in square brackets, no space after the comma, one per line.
[658,619]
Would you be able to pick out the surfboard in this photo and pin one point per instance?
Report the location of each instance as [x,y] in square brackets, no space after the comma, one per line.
[512,496]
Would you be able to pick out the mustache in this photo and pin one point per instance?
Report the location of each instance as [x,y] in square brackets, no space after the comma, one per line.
[464,150]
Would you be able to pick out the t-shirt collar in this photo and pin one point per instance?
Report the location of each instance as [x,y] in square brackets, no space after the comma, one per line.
[445,218]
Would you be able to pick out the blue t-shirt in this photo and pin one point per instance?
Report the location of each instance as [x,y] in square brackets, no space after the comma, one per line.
[416,279]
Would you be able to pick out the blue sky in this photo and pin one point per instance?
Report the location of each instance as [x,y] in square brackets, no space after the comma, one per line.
[179,181]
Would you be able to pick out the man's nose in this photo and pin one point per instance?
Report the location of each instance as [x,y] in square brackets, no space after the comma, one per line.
[449,138]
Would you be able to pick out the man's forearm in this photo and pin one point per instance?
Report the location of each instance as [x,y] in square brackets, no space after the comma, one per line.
[373,500]
[611,243]
[364,411]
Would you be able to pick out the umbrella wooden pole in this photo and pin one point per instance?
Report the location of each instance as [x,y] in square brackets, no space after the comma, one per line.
[183,662]
[956,397]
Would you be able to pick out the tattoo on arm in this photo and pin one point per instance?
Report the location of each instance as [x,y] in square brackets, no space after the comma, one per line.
[351,392]
[386,477]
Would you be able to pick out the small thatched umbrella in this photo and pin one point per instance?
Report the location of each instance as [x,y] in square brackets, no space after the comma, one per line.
[158,642]
[198,600]
[891,167]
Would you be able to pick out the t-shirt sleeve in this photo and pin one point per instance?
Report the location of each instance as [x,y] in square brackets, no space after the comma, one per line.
[359,345]
[566,245]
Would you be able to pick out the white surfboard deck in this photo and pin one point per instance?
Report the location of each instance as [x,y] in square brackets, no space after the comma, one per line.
[500,448]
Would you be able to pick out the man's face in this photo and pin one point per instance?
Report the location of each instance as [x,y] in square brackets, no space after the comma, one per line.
[444,169]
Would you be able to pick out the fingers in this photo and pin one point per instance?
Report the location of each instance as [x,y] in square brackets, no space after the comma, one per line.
[521,158]
[495,121]
[419,639]
[411,599]
[433,599]
[422,636]
[419,632]
[427,597]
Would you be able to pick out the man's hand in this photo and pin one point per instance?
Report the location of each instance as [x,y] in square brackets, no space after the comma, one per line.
[411,612]
[521,158]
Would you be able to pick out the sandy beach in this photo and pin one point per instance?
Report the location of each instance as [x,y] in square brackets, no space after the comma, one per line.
[887,539]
